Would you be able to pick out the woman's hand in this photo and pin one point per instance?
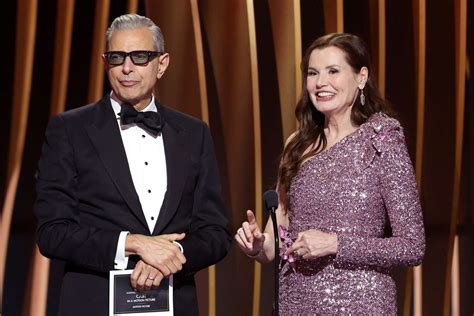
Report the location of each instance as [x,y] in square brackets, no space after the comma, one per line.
[312,244]
[249,237]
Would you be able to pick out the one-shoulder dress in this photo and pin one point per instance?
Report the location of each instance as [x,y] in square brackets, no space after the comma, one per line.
[362,189]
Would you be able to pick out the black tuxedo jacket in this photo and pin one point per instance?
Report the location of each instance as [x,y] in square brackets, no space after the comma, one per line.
[86,197]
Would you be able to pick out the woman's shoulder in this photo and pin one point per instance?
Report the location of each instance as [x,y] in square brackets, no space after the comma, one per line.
[382,133]
[381,122]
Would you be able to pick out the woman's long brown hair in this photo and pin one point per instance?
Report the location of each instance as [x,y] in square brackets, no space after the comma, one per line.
[310,131]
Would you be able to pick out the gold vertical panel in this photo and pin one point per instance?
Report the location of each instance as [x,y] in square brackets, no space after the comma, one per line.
[286,25]
[200,61]
[419,18]
[298,46]
[179,88]
[38,290]
[333,16]
[196,21]
[62,53]
[132,6]
[211,286]
[419,27]
[377,31]
[96,74]
[181,27]
[460,27]
[36,300]
[24,52]
[455,280]
[257,143]
[228,70]
[417,292]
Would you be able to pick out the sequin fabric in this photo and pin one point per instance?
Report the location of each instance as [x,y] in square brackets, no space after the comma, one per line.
[354,189]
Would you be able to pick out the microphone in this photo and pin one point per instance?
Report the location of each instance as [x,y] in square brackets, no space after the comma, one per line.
[270,200]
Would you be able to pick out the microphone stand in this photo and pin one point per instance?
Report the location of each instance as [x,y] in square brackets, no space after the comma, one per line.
[276,259]
[271,204]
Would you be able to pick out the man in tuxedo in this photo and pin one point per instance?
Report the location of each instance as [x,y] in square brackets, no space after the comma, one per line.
[129,183]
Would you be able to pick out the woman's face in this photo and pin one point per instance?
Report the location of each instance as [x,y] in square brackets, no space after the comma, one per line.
[331,82]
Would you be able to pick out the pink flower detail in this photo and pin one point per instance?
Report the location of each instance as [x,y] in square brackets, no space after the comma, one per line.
[285,244]
[380,130]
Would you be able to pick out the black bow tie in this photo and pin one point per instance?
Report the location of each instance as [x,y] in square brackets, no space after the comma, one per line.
[149,120]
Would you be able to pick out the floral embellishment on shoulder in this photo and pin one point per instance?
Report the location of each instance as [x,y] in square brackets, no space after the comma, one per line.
[379,130]
[285,244]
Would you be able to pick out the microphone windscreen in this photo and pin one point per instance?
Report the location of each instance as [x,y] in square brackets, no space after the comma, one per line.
[270,199]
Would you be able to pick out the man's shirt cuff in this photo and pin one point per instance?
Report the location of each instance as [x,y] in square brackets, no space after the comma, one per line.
[121,261]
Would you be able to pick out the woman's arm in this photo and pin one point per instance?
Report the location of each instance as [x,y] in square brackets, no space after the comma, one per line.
[406,245]
[256,244]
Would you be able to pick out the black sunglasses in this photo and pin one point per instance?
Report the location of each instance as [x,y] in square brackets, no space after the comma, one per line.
[138,57]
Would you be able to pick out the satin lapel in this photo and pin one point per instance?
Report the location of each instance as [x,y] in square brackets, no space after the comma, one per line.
[105,135]
[177,161]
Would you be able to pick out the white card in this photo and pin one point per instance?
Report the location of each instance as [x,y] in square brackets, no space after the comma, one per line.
[123,300]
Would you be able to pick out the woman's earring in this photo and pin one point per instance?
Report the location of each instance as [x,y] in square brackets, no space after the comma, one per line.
[362,97]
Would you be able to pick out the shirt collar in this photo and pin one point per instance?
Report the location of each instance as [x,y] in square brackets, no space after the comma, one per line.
[117,107]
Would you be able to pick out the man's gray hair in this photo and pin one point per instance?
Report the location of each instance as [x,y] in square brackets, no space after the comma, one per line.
[135,21]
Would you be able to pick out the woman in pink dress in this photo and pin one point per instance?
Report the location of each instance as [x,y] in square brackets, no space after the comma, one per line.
[348,205]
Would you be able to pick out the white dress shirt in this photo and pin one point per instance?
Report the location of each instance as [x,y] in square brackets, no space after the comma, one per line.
[147,163]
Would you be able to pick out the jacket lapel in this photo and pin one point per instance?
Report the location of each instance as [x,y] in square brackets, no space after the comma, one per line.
[105,136]
[177,161]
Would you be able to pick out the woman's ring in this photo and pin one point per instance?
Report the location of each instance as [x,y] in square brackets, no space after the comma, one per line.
[151,278]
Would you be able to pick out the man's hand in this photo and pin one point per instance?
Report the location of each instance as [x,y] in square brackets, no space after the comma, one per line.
[144,277]
[157,251]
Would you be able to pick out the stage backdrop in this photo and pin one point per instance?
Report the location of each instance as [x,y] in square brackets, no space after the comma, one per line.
[235,64]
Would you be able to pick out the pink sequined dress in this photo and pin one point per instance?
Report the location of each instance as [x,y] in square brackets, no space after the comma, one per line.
[354,189]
